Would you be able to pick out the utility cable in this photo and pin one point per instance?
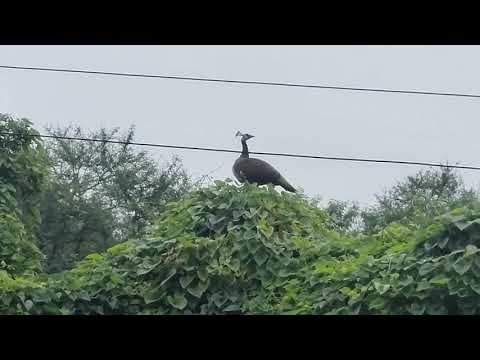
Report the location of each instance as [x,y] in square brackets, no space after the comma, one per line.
[245,82]
[251,152]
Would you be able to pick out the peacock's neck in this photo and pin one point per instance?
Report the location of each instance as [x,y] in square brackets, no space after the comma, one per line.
[244,149]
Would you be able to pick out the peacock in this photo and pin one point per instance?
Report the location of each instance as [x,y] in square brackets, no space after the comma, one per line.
[251,170]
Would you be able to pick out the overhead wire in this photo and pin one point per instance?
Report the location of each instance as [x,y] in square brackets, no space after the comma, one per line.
[244,82]
[337,158]
[180,147]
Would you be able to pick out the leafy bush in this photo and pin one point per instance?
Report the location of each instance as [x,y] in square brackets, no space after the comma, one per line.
[22,177]
[418,199]
[18,252]
[435,270]
[211,253]
[250,250]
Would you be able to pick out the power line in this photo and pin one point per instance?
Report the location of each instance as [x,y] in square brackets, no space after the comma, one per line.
[251,152]
[245,82]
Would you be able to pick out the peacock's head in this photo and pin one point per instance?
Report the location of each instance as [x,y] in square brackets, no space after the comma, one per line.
[244,136]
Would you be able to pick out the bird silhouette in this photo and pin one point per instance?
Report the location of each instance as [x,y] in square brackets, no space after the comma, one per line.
[251,170]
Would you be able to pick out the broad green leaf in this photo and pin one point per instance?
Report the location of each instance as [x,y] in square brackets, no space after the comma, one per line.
[198,289]
[462,265]
[152,295]
[186,280]
[149,268]
[115,279]
[252,246]
[223,206]
[381,288]
[202,274]
[178,301]
[377,304]
[463,292]
[462,225]
[301,243]
[476,287]
[218,299]
[265,228]
[243,253]
[407,281]
[83,295]
[442,243]
[426,268]
[260,257]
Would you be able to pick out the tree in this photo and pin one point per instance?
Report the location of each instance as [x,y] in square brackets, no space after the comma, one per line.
[421,196]
[344,215]
[22,178]
[102,193]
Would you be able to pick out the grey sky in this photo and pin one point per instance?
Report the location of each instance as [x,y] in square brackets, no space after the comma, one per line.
[294,120]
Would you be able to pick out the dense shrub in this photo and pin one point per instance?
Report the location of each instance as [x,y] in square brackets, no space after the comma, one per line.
[22,178]
[250,250]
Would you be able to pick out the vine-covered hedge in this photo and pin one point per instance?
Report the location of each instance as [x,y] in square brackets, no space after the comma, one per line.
[250,250]
[22,177]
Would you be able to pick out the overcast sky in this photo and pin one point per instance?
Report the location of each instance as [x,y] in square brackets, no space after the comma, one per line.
[291,120]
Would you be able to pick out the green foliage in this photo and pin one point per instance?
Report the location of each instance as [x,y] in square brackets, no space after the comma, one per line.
[22,178]
[73,227]
[418,199]
[252,250]
[248,250]
[18,252]
[100,194]
[218,251]
[344,216]
[435,270]
[22,170]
